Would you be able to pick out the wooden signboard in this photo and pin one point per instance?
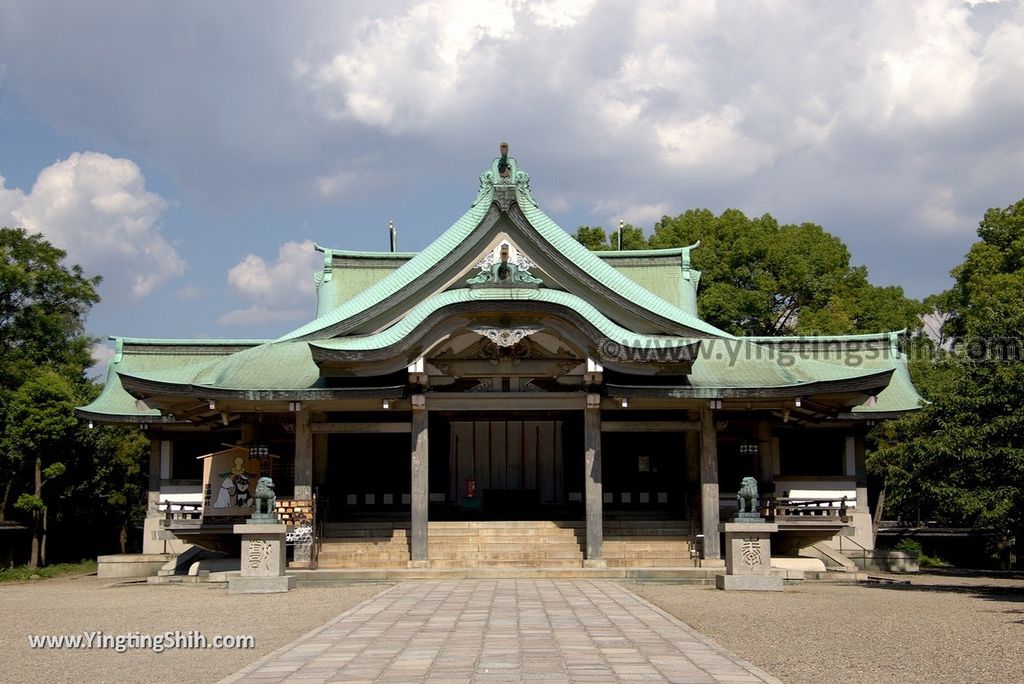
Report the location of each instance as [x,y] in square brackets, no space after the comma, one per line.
[229,482]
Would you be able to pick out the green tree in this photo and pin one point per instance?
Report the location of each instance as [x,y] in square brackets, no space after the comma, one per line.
[44,352]
[43,305]
[960,460]
[119,477]
[595,239]
[40,421]
[763,278]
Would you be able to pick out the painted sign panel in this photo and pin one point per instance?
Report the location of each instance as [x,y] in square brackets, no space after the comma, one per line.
[229,482]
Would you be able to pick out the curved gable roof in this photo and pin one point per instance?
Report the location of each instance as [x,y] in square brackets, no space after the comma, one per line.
[586,271]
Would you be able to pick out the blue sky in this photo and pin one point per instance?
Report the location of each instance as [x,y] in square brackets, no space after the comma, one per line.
[191,152]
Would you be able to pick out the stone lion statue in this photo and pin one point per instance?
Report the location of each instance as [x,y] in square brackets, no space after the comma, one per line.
[746,498]
[265,497]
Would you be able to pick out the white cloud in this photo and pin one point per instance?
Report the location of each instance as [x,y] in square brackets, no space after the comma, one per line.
[939,214]
[636,214]
[559,14]
[101,354]
[259,315]
[280,291]
[336,184]
[712,143]
[920,65]
[191,292]
[402,72]
[854,115]
[97,209]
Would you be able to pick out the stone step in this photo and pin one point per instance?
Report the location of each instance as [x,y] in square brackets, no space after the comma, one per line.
[627,535]
[650,563]
[629,532]
[499,539]
[339,564]
[682,528]
[344,576]
[352,542]
[502,532]
[330,533]
[504,524]
[358,561]
[508,563]
[488,554]
[649,555]
[618,547]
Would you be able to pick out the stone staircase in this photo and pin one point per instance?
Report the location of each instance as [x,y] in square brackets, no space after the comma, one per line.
[647,544]
[365,545]
[507,544]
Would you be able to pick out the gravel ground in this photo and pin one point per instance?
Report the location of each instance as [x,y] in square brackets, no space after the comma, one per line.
[940,628]
[73,606]
[945,628]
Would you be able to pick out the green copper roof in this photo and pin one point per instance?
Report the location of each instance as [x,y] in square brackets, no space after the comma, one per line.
[400,278]
[178,360]
[634,299]
[865,351]
[419,267]
[418,313]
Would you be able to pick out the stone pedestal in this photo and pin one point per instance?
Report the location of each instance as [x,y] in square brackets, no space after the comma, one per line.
[748,557]
[263,560]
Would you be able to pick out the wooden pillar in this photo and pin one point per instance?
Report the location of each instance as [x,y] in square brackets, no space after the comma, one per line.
[303,456]
[250,433]
[419,480]
[153,493]
[320,458]
[709,485]
[860,470]
[764,453]
[592,480]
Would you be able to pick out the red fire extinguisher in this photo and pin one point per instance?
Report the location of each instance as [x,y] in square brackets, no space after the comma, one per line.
[470,488]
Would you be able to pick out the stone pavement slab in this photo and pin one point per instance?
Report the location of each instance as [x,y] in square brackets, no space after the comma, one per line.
[503,631]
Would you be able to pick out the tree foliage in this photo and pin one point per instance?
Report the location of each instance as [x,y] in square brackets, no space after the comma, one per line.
[52,469]
[43,354]
[594,238]
[960,460]
[763,278]
[43,304]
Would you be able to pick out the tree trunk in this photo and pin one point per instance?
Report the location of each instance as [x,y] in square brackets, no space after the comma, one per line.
[38,546]
[42,540]
[122,537]
[33,557]
[879,508]
[7,497]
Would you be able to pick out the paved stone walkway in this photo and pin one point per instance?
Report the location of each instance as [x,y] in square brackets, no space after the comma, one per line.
[503,631]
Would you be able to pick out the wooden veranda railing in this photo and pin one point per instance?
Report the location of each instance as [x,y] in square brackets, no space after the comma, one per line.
[177,510]
[787,508]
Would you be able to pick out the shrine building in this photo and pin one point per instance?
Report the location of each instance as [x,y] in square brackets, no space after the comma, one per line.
[569,406]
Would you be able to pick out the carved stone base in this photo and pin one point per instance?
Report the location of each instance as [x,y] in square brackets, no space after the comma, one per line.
[748,547]
[748,558]
[260,585]
[748,582]
[263,549]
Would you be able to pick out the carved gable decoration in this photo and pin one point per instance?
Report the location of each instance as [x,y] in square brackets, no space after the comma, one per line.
[505,266]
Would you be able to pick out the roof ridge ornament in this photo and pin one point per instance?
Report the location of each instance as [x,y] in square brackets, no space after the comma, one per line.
[504,182]
[505,271]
